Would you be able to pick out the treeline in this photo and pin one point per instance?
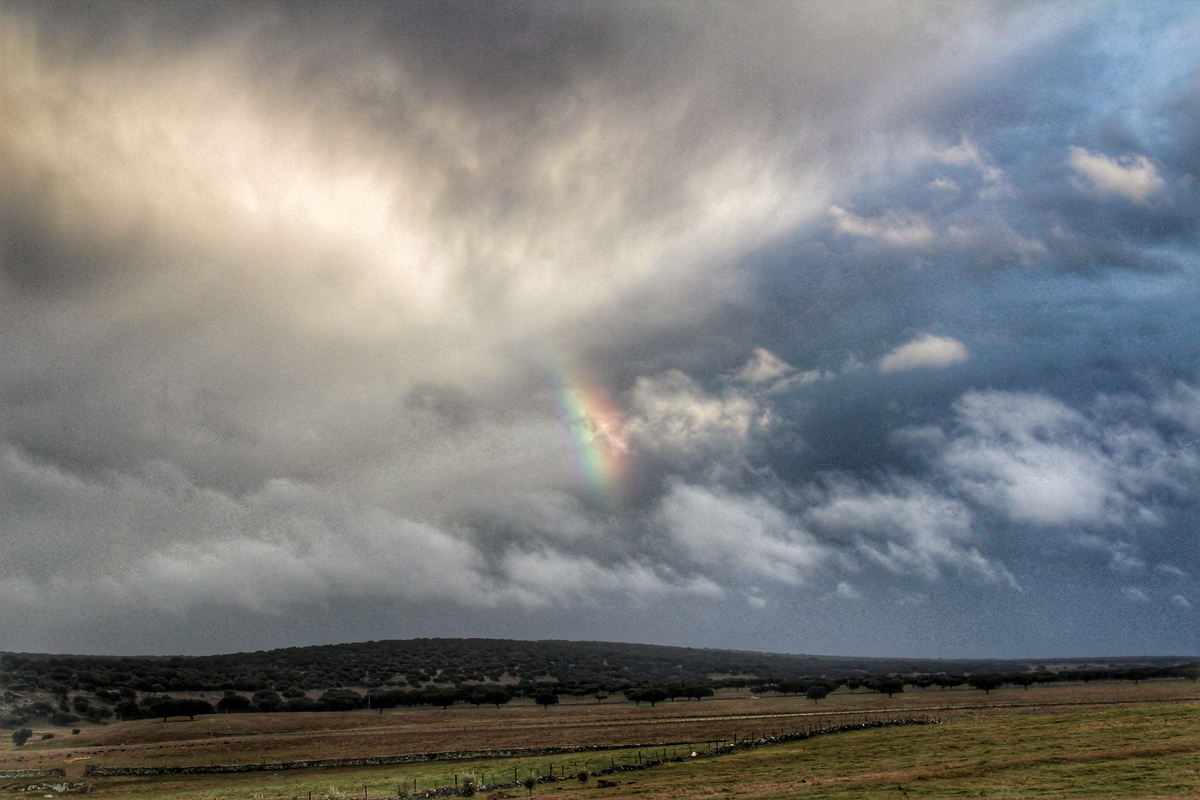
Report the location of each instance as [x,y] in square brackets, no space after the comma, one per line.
[986,681]
[126,703]
[267,701]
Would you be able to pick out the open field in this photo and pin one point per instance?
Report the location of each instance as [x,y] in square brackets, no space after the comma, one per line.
[1096,740]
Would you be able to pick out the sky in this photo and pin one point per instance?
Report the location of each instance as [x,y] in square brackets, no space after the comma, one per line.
[847,329]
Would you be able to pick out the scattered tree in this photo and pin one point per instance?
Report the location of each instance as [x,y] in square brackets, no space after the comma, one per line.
[985,682]
[233,703]
[182,707]
[1023,679]
[816,692]
[496,696]
[21,736]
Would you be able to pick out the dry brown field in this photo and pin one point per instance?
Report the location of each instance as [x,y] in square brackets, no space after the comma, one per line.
[250,738]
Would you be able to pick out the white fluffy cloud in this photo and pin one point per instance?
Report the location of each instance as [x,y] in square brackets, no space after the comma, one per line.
[1182,404]
[906,528]
[673,412]
[925,351]
[746,536]
[900,230]
[1133,177]
[764,367]
[543,577]
[1040,461]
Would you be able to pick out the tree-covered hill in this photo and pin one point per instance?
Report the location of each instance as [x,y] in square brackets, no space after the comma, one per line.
[413,663]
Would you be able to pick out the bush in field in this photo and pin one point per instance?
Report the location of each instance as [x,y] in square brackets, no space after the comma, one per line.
[21,736]
[529,783]
[546,699]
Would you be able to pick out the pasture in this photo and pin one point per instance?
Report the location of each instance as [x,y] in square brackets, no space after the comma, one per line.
[1097,740]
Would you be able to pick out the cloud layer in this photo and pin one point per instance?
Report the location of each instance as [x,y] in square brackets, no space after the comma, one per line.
[727,326]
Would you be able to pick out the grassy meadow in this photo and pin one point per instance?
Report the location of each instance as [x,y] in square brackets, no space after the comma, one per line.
[1100,740]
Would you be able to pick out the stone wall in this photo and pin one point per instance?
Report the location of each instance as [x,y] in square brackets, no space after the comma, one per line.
[53,772]
[97,771]
[369,761]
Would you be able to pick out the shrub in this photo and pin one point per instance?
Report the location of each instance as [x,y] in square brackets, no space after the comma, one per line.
[21,736]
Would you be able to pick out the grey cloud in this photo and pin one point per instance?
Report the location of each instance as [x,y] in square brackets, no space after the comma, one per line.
[906,528]
[280,285]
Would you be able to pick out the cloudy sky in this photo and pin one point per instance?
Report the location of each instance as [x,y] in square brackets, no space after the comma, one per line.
[795,327]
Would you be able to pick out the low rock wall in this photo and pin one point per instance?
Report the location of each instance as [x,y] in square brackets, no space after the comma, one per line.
[53,772]
[369,761]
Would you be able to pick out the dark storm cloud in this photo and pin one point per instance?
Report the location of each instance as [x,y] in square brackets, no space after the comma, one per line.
[720,324]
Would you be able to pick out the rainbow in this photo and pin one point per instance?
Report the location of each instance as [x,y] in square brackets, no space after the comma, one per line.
[595,434]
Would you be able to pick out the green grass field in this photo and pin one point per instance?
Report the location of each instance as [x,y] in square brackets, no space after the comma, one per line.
[1100,741]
